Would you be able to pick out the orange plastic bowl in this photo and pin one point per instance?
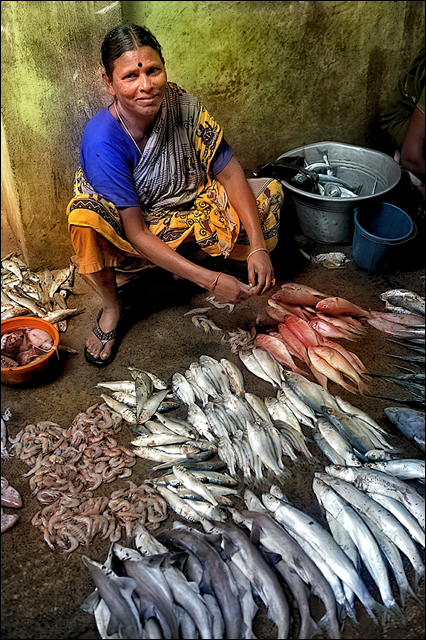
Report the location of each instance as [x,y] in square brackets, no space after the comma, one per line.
[29,372]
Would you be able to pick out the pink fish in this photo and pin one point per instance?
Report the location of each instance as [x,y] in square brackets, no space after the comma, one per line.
[328,330]
[408,319]
[8,520]
[357,364]
[339,362]
[278,351]
[342,323]
[295,296]
[9,496]
[303,330]
[338,306]
[296,348]
[290,309]
[394,329]
[328,370]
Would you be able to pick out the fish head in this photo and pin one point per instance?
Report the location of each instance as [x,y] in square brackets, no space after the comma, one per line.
[271,502]
[340,471]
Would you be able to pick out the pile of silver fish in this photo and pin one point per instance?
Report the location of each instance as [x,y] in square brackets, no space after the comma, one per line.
[184,583]
[187,583]
[410,422]
[68,465]
[42,294]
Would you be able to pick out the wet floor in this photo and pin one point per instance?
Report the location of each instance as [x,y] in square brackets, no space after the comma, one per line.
[43,590]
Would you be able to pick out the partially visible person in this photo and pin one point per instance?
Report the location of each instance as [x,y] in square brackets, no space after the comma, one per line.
[156,173]
[403,119]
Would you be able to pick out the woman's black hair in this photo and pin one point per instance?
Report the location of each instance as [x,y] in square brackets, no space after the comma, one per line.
[126,37]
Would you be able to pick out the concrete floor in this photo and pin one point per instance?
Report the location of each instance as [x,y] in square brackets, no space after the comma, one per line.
[42,591]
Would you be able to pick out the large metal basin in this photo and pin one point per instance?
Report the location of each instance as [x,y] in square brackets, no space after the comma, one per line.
[330,220]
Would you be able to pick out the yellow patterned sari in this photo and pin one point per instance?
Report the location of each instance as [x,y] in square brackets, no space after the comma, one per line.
[179,196]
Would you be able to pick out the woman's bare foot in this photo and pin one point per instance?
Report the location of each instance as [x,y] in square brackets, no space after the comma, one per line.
[107,322]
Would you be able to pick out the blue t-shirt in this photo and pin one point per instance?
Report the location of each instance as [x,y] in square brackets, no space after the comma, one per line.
[108,157]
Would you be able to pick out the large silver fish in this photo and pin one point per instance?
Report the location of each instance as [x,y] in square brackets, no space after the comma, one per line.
[366,543]
[264,529]
[378,482]
[323,542]
[384,519]
[406,299]
[252,564]
[116,592]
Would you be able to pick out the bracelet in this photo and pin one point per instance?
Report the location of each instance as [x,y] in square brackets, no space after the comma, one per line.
[215,282]
[254,251]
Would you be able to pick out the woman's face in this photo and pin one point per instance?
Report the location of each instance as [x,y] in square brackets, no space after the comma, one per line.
[138,81]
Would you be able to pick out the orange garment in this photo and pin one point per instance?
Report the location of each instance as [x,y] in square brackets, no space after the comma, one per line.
[98,245]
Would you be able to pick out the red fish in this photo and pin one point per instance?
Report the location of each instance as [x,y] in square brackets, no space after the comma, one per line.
[278,351]
[296,348]
[339,362]
[295,296]
[339,306]
[357,364]
[328,370]
[290,309]
[328,330]
[302,330]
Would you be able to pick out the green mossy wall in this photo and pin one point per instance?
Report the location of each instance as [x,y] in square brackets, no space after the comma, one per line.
[276,75]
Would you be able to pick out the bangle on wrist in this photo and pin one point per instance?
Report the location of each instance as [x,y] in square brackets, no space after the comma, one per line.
[215,281]
[255,251]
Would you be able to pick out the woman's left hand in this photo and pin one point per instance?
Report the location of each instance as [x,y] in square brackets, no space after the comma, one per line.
[260,272]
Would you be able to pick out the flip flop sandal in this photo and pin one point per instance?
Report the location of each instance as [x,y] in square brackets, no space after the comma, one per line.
[103,339]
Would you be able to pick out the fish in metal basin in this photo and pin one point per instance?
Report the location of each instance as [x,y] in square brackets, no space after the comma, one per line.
[410,422]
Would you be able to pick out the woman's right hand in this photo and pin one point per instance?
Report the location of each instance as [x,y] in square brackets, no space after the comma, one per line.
[230,289]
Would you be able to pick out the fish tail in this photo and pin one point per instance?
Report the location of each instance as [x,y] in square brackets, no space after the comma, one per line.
[308,629]
[329,622]
[362,387]
[349,387]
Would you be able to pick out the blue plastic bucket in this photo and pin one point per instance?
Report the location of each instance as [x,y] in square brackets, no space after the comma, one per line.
[378,236]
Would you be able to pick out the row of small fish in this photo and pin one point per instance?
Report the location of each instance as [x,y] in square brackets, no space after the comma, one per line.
[338,551]
[41,294]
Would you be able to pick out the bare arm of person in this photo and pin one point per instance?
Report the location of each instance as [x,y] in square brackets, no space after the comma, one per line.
[227,288]
[413,147]
[260,270]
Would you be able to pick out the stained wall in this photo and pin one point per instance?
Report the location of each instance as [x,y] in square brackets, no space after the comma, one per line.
[276,75]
